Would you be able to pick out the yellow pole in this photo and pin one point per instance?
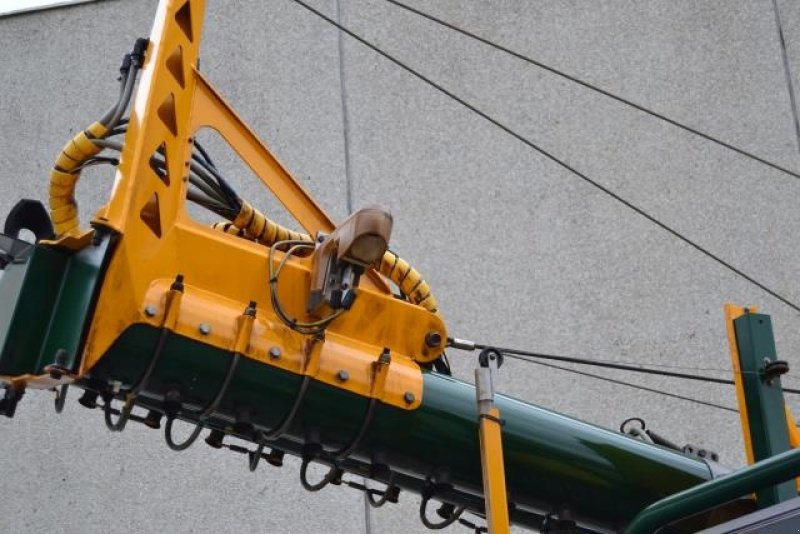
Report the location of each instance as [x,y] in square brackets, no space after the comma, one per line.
[491,440]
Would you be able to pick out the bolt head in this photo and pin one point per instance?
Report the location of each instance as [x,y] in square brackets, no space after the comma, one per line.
[150,310]
[204,328]
[408,397]
[274,352]
[342,375]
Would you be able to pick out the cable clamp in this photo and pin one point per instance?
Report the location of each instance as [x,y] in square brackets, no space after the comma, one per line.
[490,417]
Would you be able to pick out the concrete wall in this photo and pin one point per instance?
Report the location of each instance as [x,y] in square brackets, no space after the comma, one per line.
[520,252]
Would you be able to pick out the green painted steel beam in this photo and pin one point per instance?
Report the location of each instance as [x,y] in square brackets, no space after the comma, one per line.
[552,461]
[764,399]
[45,304]
[757,477]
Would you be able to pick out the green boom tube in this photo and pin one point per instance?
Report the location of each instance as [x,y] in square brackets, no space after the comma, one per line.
[553,463]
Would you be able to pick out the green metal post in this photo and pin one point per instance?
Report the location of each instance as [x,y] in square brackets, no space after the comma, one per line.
[757,477]
[764,398]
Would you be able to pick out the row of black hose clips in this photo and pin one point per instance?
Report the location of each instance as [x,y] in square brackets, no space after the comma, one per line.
[313,451]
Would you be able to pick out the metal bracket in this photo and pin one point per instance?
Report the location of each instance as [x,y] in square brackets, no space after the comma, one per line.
[761,405]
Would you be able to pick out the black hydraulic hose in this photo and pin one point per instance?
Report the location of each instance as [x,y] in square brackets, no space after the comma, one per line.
[123,83]
[125,98]
[172,444]
[446,522]
[202,416]
[390,487]
[281,429]
[131,64]
[131,395]
[333,473]
[198,177]
[348,449]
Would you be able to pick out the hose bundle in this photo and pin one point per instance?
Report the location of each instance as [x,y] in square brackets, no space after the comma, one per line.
[81,150]
[252,224]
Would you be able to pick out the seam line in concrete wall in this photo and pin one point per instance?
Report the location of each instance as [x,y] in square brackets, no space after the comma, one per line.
[348,186]
[345,113]
[787,68]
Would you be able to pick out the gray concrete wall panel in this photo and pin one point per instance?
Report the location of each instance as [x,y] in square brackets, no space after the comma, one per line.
[521,252]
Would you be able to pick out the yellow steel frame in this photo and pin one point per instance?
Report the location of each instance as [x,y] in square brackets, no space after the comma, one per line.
[158,240]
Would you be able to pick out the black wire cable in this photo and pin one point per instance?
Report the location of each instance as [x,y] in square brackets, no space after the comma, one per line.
[635,386]
[552,157]
[638,363]
[594,88]
[531,356]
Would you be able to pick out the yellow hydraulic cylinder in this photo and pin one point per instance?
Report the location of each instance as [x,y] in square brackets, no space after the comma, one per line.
[491,439]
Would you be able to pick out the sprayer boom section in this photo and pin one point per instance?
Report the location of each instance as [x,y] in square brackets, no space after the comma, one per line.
[289,339]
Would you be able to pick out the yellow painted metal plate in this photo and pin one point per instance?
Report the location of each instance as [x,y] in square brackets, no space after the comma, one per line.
[159,240]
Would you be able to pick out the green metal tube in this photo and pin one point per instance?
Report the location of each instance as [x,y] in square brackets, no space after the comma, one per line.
[553,462]
[756,477]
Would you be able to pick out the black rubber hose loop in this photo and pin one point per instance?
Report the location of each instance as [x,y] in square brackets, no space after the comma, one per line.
[377,503]
[61,397]
[331,475]
[124,415]
[185,444]
[423,508]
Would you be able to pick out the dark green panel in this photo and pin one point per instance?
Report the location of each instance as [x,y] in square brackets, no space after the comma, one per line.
[28,293]
[82,276]
[764,398]
[45,303]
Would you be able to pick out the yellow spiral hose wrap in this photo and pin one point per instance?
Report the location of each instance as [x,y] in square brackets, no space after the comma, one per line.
[64,177]
[258,228]
[409,280]
[254,225]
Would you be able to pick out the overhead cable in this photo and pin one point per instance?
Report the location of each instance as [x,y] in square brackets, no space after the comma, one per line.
[533,356]
[595,88]
[552,157]
[636,386]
